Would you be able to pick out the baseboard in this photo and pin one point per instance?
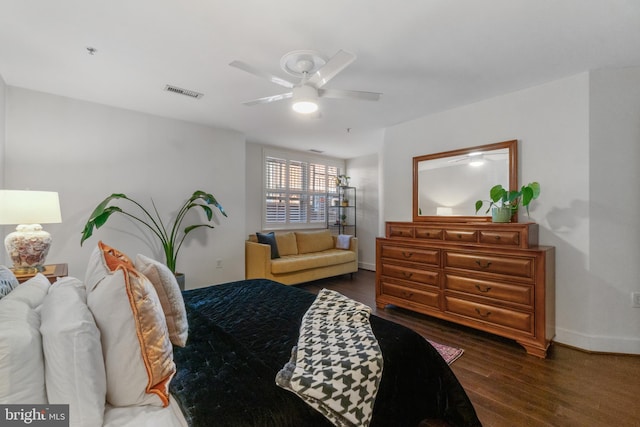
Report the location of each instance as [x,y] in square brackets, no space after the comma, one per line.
[597,343]
[367,266]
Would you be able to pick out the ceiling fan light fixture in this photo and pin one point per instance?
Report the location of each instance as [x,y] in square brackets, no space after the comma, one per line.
[305,100]
[477,159]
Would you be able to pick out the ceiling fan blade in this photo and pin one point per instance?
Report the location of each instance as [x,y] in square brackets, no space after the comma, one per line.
[256,72]
[349,94]
[268,99]
[337,63]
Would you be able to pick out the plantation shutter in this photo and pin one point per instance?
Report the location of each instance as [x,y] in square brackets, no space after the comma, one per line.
[295,190]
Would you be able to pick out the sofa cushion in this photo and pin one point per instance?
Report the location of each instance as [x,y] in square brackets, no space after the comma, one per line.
[269,239]
[314,241]
[287,244]
[74,365]
[301,262]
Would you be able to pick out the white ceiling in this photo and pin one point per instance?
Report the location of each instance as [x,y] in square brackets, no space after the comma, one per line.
[423,55]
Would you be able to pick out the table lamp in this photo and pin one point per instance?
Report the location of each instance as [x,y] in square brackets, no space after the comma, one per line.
[28,246]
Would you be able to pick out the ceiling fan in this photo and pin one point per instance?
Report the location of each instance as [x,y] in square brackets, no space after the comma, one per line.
[314,72]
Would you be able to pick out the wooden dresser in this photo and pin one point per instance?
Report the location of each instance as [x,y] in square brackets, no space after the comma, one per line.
[488,276]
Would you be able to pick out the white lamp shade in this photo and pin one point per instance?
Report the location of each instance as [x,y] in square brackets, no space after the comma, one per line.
[29,207]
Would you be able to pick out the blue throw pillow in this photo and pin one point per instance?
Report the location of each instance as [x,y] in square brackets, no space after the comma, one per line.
[8,281]
[269,239]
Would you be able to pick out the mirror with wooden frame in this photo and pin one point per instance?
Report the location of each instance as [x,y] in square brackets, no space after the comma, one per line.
[446,185]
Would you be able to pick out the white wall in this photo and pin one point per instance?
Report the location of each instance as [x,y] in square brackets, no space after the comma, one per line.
[3,97]
[254,192]
[364,176]
[86,151]
[552,124]
[614,246]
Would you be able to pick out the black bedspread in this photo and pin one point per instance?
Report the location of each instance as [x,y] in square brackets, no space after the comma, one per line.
[242,333]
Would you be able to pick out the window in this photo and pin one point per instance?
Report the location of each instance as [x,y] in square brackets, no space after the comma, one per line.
[295,188]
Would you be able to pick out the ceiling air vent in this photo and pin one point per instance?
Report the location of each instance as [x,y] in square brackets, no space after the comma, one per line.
[185,92]
[313,150]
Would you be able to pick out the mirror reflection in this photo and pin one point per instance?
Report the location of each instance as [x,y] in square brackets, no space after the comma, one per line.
[448,184]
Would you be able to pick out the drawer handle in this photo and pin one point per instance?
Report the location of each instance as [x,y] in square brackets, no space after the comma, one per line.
[407,254]
[486,265]
[459,236]
[407,275]
[484,290]
[497,237]
[407,294]
[485,315]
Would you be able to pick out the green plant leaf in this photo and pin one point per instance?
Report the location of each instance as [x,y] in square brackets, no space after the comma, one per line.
[193,227]
[535,186]
[527,196]
[102,205]
[497,193]
[479,204]
[171,242]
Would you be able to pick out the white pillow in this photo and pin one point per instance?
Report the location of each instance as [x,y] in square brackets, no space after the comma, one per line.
[31,292]
[74,366]
[137,351]
[164,281]
[21,361]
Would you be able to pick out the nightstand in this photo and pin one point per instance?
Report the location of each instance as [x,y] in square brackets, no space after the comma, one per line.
[51,271]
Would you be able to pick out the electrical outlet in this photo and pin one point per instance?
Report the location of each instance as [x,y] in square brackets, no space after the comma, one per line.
[635,299]
[219,263]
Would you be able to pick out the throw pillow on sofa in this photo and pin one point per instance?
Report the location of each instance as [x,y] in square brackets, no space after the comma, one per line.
[269,239]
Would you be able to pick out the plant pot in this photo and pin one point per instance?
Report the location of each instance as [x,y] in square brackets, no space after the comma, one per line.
[180,280]
[501,214]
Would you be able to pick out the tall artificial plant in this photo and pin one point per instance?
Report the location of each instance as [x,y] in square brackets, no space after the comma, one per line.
[171,238]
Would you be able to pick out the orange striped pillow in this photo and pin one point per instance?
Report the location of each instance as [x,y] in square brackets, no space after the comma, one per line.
[137,351]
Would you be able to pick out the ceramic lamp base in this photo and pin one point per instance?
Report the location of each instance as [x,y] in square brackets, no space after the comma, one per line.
[28,247]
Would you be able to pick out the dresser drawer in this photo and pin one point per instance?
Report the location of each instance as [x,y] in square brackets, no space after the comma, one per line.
[518,294]
[493,237]
[461,235]
[429,233]
[400,231]
[488,313]
[511,266]
[423,297]
[424,256]
[399,272]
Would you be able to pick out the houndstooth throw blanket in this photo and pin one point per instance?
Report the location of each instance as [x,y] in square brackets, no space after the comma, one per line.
[337,365]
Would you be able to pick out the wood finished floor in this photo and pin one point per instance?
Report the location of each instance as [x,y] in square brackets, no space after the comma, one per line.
[510,388]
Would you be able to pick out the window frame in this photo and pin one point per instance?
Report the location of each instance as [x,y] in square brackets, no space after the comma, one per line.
[305,194]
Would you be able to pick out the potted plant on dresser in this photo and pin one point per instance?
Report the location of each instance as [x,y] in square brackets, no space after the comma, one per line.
[171,239]
[505,203]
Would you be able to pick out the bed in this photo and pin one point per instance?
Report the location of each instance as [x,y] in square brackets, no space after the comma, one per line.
[241,334]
